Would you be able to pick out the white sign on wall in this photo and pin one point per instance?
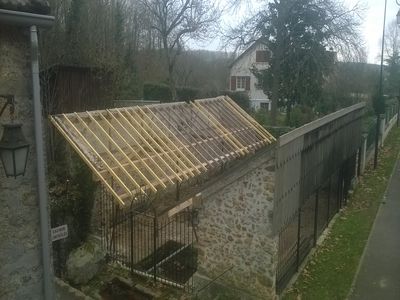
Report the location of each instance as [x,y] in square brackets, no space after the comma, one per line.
[58,233]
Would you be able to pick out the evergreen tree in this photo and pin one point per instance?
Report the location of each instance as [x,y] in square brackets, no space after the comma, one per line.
[304,37]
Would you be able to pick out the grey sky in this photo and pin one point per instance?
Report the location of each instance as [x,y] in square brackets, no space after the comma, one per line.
[373,25]
[371,29]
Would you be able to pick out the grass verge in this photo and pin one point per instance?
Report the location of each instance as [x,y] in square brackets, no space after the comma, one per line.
[330,272]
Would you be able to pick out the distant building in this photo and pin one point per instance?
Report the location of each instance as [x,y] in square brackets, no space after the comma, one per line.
[242,79]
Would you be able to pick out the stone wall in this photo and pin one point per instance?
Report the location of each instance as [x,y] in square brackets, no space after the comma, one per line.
[235,228]
[20,255]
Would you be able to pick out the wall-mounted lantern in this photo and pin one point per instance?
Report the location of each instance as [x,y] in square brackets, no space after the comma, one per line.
[14,148]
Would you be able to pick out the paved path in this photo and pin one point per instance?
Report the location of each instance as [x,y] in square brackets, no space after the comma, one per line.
[379,273]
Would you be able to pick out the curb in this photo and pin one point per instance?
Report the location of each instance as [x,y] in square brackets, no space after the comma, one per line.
[350,293]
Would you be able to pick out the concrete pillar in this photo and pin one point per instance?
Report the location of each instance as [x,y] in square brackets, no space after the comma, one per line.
[363,160]
[21,271]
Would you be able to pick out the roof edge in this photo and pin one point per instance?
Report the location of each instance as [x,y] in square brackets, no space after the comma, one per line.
[19,18]
[255,43]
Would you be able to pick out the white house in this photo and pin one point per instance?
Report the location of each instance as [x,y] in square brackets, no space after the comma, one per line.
[242,79]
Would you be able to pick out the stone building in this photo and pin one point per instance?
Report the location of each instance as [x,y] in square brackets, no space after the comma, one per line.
[235,237]
[228,161]
[200,196]
[22,271]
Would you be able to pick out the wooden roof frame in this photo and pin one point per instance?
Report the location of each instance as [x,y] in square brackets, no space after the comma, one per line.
[143,149]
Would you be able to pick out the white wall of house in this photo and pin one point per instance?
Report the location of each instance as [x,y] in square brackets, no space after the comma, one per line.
[242,68]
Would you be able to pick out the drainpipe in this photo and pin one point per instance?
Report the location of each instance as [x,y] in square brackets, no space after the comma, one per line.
[41,172]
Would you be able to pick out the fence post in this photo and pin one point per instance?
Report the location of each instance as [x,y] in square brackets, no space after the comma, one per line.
[359,162]
[298,241]
[382,127]
[329,201]
[316,218]
[363,159]
[155,224]
[131,241]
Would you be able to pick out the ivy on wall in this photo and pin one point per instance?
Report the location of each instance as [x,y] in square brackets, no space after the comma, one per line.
[72,192]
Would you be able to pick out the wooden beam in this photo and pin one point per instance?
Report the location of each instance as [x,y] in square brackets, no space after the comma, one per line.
[186,156]
[181,145]
[148,156]
[192,144]
[143,139]
[148,135]
[85,159]
[203,125]
[133,181]
[139,159]
[123,153]
[246,138]
[231,139]
[242,113]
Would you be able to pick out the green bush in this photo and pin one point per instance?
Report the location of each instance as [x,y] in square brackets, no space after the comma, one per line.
[155,91]
[300,115]
[187,93]
[72,192]
[241,98]
[161,92]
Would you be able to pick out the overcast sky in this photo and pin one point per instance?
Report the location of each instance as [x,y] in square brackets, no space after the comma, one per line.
[371,29]
[373,25]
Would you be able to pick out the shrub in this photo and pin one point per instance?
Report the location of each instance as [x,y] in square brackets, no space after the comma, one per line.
[187,93]
[161,92]
[300,115]
[241,98]
[155,91]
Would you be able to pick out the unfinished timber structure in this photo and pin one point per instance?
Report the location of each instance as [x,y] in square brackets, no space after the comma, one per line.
[151,162]
[140,150]
[199,194]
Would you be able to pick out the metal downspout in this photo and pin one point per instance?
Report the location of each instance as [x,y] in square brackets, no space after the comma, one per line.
[41,172]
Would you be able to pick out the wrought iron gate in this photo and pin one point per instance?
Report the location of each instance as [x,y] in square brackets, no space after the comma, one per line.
[156,247]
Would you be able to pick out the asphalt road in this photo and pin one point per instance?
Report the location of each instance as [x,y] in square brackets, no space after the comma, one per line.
[379,272]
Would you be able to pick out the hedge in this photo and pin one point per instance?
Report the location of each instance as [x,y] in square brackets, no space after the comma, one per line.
[162,93]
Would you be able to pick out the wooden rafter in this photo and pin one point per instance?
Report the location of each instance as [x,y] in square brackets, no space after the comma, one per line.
[144,149]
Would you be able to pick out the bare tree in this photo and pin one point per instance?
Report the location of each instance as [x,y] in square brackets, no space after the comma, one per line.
[177,21]
[392,39]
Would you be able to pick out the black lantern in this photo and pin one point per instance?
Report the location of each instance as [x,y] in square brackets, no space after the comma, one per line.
[13,150]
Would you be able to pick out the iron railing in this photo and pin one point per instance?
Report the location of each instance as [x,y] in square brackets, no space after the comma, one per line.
[302,232]
[150,245]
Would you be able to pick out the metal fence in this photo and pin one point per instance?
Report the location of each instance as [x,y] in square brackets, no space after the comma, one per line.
[391,110]
[371,134]
[315,167]
[301,234]
[156,247]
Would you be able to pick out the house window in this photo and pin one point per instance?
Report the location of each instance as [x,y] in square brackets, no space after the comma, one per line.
[261,56]
[243,83]
[240,83]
